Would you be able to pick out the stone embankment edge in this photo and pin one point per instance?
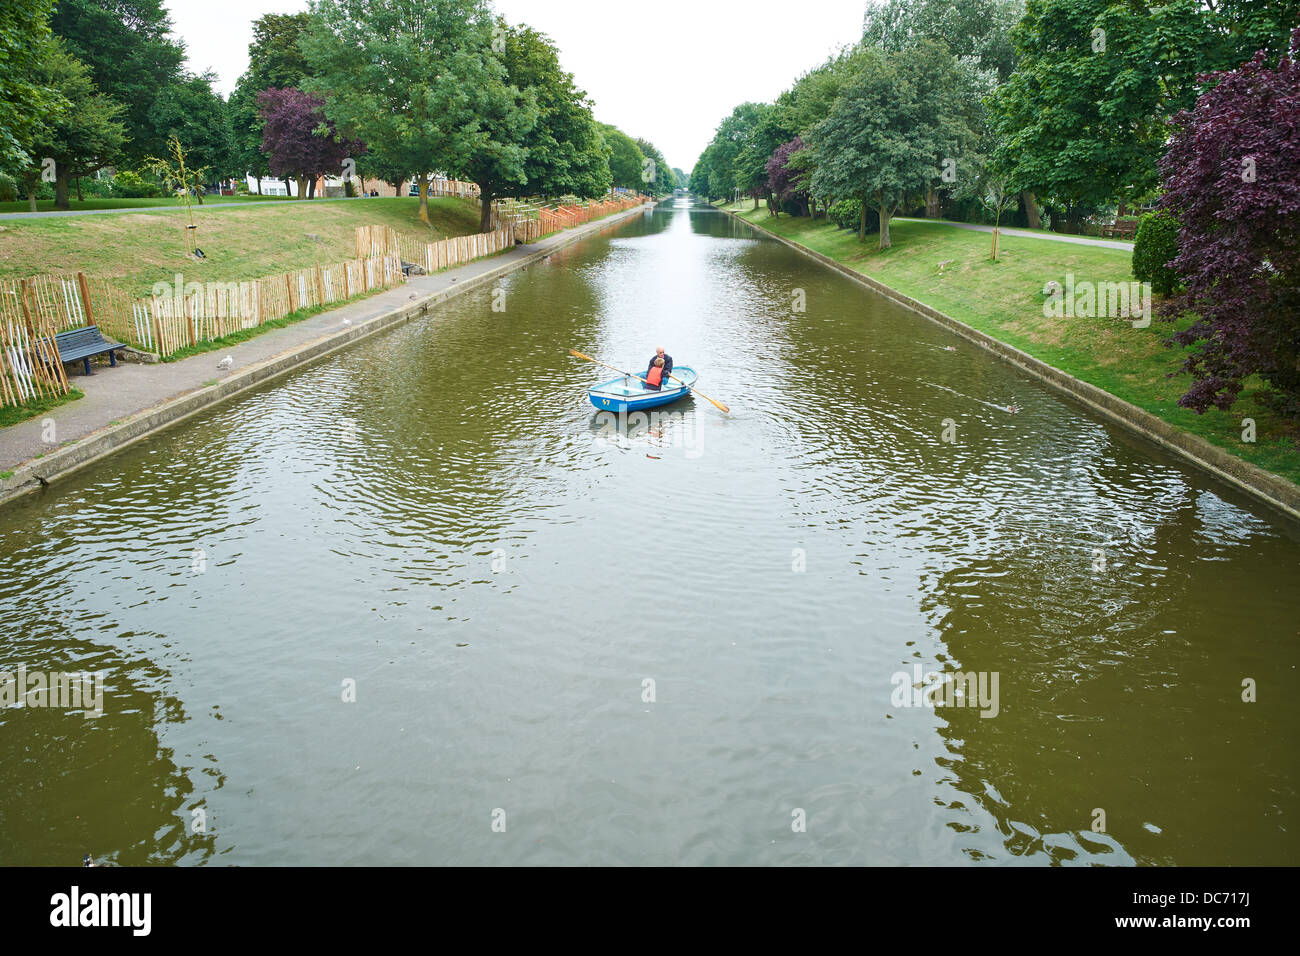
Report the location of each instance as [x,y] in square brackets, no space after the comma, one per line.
[107,441]
[1264,486]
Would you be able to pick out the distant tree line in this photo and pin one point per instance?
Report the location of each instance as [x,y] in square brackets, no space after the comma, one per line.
[401,88]
[1085,109]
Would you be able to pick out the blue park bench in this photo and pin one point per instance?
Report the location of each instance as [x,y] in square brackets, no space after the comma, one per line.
[81,344]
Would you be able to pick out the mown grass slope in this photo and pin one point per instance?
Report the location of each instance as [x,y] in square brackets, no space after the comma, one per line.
[1005,300]
[244,241]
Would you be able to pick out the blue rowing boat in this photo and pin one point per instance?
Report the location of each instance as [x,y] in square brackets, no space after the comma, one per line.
[629,394]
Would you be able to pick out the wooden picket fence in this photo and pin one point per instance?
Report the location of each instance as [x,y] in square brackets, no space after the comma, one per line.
[214,310]
[29,360]
[431,256]
[556,216]
[526,222]
[34,309]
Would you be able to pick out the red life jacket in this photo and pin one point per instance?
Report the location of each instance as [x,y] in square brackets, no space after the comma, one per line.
[655,376]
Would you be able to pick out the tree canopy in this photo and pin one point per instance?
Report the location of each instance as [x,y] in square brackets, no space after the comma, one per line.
[81,138]
[407,76]
[24,101]
[1230,178]
[504,115]
[889,130]
[132,56]
[298,140]
[626,161]
[564,149]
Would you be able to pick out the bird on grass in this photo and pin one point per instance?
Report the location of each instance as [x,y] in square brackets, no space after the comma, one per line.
[226,362]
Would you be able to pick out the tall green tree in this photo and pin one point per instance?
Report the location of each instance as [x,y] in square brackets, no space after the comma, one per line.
[505,115]
[731,138]
[657,177]
[246,134]
[626,161]
[81,139]
[889,131]
[275,57]
[275,61]
[1084,116]
[758,141]
[565,151]
[196,115]
[133,58]
[24,102]
[402,76]
[978,30]
[701,173]
[810,99]
[978,33]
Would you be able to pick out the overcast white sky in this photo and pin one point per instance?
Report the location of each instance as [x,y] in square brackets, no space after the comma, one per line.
[672,87]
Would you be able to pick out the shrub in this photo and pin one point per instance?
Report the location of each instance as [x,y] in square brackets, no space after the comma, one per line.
[795,206]
[133,186]
[8,188]
[846,212]
[97,188]
[1155,244]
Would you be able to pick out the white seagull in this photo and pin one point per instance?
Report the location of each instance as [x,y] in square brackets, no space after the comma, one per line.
[226,362]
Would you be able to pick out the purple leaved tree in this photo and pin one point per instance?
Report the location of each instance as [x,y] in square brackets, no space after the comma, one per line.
[297,138]
[1232,177]
[788,184]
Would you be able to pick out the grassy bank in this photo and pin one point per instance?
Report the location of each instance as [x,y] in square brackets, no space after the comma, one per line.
[137,249]
[243,335]
[13,414]
[1005,300]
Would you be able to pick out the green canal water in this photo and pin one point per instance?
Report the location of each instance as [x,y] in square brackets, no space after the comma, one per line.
[678,640]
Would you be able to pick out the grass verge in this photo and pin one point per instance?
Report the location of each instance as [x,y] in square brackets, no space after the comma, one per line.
[1005,300]
[13,414]
[243,335]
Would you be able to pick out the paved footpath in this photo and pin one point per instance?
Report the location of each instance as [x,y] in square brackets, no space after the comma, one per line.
[115,394]
[1028,234]
[1126,246]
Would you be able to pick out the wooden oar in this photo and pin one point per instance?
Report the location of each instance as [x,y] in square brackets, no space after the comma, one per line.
[690,388]
[575,352]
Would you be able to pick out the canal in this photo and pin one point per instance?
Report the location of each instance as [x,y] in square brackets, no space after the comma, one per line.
[420,604]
